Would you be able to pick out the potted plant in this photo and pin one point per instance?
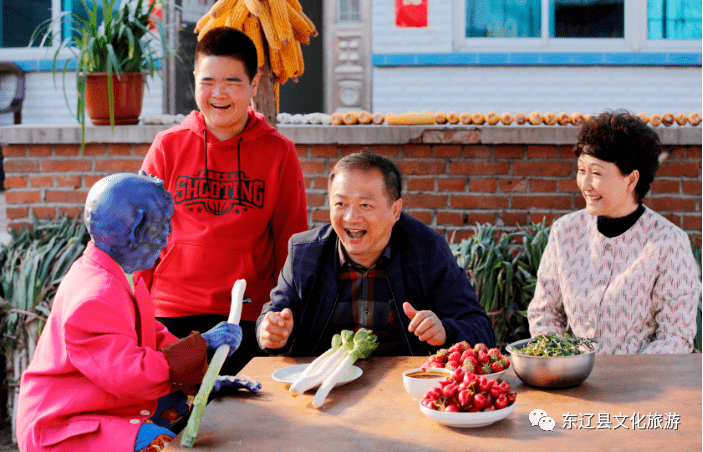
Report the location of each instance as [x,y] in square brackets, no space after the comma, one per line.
[112,55]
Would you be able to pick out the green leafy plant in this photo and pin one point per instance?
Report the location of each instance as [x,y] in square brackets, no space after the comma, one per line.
[33,265]
[504,275]
[127,39]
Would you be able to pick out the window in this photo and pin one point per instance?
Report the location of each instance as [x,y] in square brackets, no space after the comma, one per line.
[674,19]
[348,11]
[578,26]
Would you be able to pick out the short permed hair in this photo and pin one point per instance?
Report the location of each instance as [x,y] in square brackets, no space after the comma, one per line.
[623,139]
[366,161]
[229,42]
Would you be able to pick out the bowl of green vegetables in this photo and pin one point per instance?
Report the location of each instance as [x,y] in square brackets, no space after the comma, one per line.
[553,361]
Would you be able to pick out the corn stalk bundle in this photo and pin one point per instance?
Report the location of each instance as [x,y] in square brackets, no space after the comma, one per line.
[33,265]
[277,28]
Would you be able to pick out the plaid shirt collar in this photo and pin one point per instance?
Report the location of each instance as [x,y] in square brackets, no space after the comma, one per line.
[344,258]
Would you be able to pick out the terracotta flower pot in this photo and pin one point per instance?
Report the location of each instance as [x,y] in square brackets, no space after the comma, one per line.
[128,94]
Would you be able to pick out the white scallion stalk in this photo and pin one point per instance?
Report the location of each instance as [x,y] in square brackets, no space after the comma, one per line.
[200,401]
[313,366]
[317,376]
[364,343]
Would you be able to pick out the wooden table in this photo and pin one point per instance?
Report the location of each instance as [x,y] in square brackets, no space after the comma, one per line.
[374,413]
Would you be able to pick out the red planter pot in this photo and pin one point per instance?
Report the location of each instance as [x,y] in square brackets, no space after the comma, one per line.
[128,94]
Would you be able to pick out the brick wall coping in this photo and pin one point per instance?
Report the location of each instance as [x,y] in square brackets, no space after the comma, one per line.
[354,135]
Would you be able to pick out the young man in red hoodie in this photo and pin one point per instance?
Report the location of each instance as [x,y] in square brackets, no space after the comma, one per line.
[239,195]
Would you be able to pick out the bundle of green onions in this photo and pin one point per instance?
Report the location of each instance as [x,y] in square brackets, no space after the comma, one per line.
[331,366]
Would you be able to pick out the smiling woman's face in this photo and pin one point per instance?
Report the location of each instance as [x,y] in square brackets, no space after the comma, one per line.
[607,191]
[223,93]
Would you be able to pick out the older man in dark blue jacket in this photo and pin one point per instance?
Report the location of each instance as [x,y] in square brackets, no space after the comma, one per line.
[373,267]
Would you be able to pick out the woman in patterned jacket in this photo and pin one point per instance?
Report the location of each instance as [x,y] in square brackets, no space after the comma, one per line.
[616,271]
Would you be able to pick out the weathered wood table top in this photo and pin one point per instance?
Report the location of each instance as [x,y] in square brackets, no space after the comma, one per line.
[629,402]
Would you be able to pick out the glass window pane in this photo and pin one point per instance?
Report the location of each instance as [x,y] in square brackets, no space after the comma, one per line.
[20,18]
[674,19]
[503,18]
[587,18]
[348,11]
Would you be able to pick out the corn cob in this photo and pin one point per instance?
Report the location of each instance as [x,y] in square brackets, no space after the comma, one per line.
[364,117]
[466,118]
[681,119]
[254,7]
[277,95]
[576,118]
[350,117]
[520,118]
[549,118]
[337,119]
[221,8]
[299,55]
[655,119]
[563,119]
[275,62]
[492,118]
[214,23]
[694,118]
[202,22]
[237,16]
[289,60]
[410,118]
[295,4]
[300,23]
[440,117]
[586,117]
[668,119]
[253,30]
[535,118]
[644,117]
[268,28]
[279,13]
[453,117]
[478,118]
[507,118]
[378,118]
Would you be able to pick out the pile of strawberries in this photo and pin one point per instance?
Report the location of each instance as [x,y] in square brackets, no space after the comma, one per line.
[467,392]
[478,359]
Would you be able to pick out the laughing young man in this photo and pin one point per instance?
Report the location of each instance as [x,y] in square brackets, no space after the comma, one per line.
[373,267]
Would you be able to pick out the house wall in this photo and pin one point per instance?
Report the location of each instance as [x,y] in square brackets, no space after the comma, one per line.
[454,176]
[430,68]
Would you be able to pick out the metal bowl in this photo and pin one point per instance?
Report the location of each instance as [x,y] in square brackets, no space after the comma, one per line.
[550,372]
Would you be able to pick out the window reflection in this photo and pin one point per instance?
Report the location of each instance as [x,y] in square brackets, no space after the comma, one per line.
[503,18]
[674,19]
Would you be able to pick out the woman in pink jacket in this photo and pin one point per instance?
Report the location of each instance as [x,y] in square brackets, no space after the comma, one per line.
[105,374]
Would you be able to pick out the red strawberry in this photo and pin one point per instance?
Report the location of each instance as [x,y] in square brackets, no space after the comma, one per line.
[468,366]
[487,369]
[505,362]
[480,347]
[495,354]
[455,356]
[483,358]
[497,366]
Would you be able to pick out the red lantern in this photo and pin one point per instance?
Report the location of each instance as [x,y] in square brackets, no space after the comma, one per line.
[411,13]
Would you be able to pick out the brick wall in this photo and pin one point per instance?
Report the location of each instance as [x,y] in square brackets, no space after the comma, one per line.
[451,180]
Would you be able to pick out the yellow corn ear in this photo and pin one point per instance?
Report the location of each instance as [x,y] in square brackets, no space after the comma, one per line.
[289,60]
[466,118]
[410,118]
[279,13]
[237,16]
[254,7]
[520,118]
[507,118]
[655,119]
[214,23]
[478,118]
[275,62]
[378,118]
[299,56]
[563,119]
[643,116]
[576,118]
[440,117]
[253,30]
[550,118]
[301,25]
[277,94]
[453,117]
[202,22]
[295,4]
[350,118]
[364,117]
[694,118]
[535,118]
[337,119]
[267,26]
[221,8]
[681,119]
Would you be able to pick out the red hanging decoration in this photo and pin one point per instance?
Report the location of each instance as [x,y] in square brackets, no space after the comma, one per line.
[411,13]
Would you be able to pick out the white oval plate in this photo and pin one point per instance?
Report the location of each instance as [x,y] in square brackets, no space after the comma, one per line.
[468,419]
[494,376]
[290,374]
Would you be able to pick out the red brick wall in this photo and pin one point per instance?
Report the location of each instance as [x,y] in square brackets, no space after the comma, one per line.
[448,186]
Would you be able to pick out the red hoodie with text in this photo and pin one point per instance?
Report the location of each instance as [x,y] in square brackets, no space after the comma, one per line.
[237,204]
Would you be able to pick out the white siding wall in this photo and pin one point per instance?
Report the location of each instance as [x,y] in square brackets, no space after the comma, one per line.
[44,101]
[588,89]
